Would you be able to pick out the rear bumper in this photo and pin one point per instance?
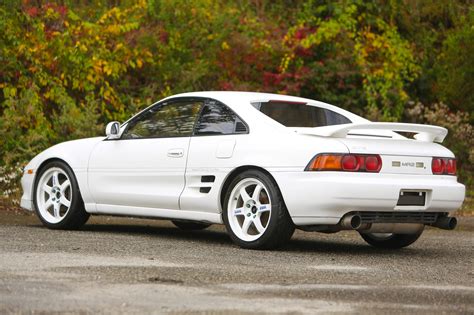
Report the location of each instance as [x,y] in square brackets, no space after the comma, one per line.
[325,197]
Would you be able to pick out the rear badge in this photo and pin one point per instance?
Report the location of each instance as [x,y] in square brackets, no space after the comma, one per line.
[408,164]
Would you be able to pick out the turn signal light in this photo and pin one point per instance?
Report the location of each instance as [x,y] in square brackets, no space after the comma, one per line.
[443,166]
[326,162]
[345,162]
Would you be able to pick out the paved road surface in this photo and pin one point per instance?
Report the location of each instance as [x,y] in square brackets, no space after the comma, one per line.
[118,265]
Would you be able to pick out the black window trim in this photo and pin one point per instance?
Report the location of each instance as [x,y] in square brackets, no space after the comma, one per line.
[213,135]
[198,116]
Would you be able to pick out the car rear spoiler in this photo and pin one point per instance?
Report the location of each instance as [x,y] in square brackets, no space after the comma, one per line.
[425,133]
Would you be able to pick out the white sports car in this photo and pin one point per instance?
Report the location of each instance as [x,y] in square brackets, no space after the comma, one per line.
[262,164]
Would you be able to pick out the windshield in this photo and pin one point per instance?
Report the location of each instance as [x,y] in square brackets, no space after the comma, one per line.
[292,114]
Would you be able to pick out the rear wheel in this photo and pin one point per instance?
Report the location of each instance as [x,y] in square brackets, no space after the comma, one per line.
[390,240]
[57,199]
[191,226]
[254,212]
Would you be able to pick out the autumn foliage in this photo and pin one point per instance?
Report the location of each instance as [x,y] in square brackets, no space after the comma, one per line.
[69,67]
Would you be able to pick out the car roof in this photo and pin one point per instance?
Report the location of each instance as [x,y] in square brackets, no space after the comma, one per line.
[243,96]
[239,101]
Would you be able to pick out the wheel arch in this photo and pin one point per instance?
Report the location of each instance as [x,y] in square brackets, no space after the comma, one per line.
[43,164]
[40,167]
[234,173]
[49,160]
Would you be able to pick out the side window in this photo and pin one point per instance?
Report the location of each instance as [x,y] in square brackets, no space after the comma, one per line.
[170,119]
[218,119]
[333,118]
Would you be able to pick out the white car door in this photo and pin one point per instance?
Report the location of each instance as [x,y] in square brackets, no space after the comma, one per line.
[211,156]
[145,167]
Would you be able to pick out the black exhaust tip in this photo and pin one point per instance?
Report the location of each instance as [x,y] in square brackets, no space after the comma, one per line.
[446,223]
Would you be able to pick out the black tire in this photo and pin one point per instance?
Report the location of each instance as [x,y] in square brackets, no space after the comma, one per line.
[76,216]
[279,227]
[394,241]
[191,226]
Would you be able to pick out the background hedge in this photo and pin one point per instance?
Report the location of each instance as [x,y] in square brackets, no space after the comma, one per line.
[68,67]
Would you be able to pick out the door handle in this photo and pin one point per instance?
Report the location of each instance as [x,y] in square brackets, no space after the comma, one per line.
[176,153]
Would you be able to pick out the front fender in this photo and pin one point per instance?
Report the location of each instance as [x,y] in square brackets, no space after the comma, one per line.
[75,153]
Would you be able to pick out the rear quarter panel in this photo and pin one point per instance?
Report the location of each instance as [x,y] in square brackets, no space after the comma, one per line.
[274,151]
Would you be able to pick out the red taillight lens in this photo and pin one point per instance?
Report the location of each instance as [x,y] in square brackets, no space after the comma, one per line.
[345,162]
[350,163]
[373,163]
[437,166]
[450,167]
[443,166]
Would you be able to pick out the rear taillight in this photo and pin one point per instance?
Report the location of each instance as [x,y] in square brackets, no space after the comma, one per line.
[373,163]
[451,167]
[350,163]
[437,166]
[443,166]
[325,162]
[345,162]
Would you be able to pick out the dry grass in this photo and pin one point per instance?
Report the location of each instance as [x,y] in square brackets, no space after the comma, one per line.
[8,205]
[467,208]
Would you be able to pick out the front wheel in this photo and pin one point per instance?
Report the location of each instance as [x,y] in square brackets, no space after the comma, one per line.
[390,240]
[254,213]
[58,202]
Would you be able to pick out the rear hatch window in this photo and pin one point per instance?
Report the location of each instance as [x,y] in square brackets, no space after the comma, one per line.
[293,114]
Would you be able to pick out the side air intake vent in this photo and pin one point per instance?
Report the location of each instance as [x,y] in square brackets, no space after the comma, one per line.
[208,179]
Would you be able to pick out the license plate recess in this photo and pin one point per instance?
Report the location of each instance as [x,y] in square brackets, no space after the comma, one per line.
[411,198]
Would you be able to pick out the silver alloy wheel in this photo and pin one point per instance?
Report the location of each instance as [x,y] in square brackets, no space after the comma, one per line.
[54,195]
[249,209]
